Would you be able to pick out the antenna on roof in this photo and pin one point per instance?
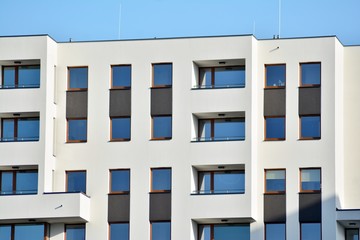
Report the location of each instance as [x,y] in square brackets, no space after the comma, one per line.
[278,36]
[119,21]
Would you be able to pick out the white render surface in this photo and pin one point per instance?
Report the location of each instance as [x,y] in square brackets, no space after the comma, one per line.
[336,153]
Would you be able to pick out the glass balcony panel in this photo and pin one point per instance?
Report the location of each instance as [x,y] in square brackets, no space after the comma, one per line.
[6,183]
[29,76]
[28,129]
[26,182]
[8,77]
[233,182]
[227,129]
[8,130]
[230,77]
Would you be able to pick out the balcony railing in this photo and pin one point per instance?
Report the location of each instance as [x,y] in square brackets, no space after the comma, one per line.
[211,139]
[19,139]
[219,191]
[19,86]
[19,192]
[242,85]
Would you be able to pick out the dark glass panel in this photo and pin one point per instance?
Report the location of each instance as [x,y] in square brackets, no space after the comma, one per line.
[275,180]
[310,126]
[7,183]
[229,129]
[161,231]
[5,232]
[231,232]
[75,232]
[77,129]
[29,76]
[275,75]
[162,74]
[310,231]
[78,78]
[230,77]
[8,130]
[26,182]
[311,74]
[120,180]
[162,127]
[119,231]
[275,128]
[121,76]
[76,182]
[161,179]
[9,77]
[352,234]
[27,232]
[275,231]
[229,182]
[28,129]
[121,128]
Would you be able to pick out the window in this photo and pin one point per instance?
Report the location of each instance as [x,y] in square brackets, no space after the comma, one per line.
[22,232]
[220,182]
[21,77]
[121,76]
[75,232]
[76,181]
[310,74]
[275,181]
[275,231]
[310,127]
[162,75]
[224,231]
[78,78]
[19,129]
[161,230]
[119,231]
[161,127]
[275,76]
[222,77]
[274,128]
[351,234]
[120,181]
[310,231]
[310,180]
[161,180]
[77,130]
[221,129]
[120,129]
[18,182]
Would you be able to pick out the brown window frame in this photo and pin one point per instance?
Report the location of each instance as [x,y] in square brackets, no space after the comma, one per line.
[265,82]
[153,75]
[112,80]
[151,180]
[67,177]
[67,131]
[274,139]
[301,85]
[213,85]
[16,120]
[152,127]
[273,192]
[300,180]
[17,74]
[69,89]
[74,224]
[300,125]
[119,139]
[111,180]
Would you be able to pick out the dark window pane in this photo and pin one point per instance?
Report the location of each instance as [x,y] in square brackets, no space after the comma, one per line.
[120,180]
[231,232]
[229,129]
[275,76]
[161,231]
[275,231]
[310,179]
[119,231]
[75,232]
[162,74]
[229,182]
[29,76]
[230,77]
[26,182]
[310,73]
[7,183]
[310,127]
[205,182]
[162,127]
[26,232]
[28,129]
[5,232]
[351,234]
[205,232]
[121,128]
[161,179]
[78,78]
[9,77]
[121,76]
[8,130]
[76,182]
[77,129]
[275,180]
[275,128]
[310,231]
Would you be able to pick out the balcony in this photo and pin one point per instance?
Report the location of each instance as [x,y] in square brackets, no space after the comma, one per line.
[56,207]
[19,127]
[20,74]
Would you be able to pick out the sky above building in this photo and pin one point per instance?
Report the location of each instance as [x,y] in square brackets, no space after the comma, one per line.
[133,19]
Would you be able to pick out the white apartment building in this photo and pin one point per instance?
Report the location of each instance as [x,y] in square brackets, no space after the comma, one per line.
[204,138]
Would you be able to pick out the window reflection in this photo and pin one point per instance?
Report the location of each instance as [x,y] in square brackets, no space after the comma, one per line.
[160,231]
[76,181]
[161,179]
[310,74]
[310,179]
[275,181]
[162,75]
[275,231]
[120,128]
[310,231]
[119,231]
[162,127]
[310,127]
[120,180]
[275,76]
[78,78]
[274,128]
[121,76]
[75,232]
[77,130]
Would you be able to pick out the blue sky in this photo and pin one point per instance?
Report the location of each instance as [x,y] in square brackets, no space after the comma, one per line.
[99,19]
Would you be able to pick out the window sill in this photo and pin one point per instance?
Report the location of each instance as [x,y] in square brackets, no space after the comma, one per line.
[275,87]
[309,138]
[76,141]
[310,192]
[120,88]
[161,86]
[120,140]
[275,193]
[160,139]
[160,191]
[119,193]
[310,86]
[77,90]
[274,139]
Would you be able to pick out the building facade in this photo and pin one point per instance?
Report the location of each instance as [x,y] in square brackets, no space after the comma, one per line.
[205,138]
